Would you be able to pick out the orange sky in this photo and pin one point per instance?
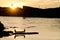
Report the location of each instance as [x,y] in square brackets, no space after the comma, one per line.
[32,3]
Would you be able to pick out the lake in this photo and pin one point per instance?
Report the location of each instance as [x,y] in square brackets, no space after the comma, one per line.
[48,28]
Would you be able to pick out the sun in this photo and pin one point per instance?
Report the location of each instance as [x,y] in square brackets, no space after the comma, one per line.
[14,6]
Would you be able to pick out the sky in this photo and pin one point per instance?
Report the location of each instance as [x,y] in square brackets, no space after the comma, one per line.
[32,3]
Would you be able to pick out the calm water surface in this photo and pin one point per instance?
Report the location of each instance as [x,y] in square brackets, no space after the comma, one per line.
[48,28]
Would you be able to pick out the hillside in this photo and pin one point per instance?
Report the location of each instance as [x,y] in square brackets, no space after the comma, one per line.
[32,12]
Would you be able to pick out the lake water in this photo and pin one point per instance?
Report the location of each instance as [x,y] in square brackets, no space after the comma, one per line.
[48,28]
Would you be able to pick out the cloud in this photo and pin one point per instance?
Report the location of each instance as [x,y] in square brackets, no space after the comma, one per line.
[33,3]
[42,3]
